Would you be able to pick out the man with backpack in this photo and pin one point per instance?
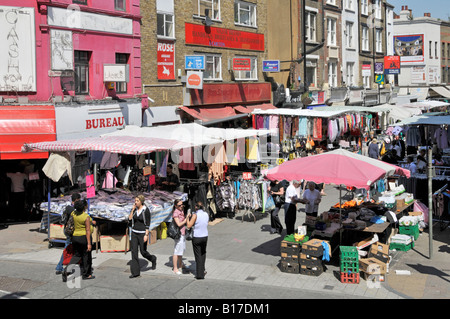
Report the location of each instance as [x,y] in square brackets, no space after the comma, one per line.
[64,218]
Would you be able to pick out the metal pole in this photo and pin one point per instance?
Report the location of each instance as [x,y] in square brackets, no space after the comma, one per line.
[430,201]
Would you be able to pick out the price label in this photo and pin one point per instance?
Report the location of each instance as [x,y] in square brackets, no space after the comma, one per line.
[247,175]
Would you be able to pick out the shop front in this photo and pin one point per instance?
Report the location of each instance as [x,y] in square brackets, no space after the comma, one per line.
[226,104]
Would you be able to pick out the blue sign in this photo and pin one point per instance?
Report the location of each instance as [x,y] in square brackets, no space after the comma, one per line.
[391,71]
[271,65]
[194,62]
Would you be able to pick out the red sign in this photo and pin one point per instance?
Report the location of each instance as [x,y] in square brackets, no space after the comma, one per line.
[166,60]
[391,62]
[199,34]
[227,93]
[194,80]
[246,175]
[242,64]
[106,122]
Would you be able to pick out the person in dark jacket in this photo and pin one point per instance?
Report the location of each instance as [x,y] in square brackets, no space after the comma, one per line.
[373,149]
[140,219]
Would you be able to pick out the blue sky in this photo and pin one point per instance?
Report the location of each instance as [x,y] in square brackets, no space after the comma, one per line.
[437,8]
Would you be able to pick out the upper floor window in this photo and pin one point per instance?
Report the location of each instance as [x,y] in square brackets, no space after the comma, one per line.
[81,59]
[245,13]
[349,4]
[120,5]
[379,40]
[333,2]
[349,34]
[165,18]
[365,39]
[365,7]
[377,5]
[331,31]
[80,2]
[122,58]
[247,75]
[213,67]
[209,8]
[311,26]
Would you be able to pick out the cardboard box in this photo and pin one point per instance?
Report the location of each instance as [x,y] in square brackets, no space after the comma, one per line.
[400,203]
[313,247]
[379,251]
[372,266]
[366,242]
[114,243]
[57,231]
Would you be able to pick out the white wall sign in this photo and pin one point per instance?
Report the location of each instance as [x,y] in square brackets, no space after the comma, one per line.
[62,49]
[17,49]
[77,19]
[433,75]
[418,74]
[115,73]
[194,80]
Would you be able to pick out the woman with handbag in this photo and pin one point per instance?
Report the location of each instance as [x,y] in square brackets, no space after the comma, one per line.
[180,243]
[81,241]
[199,221]
[140,229]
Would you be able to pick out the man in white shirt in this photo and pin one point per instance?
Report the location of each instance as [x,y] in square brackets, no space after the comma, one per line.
[312,198]
[290,208]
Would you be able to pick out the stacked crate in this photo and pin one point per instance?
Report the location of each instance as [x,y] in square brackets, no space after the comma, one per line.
[290,254]
[311,263]
[349,265]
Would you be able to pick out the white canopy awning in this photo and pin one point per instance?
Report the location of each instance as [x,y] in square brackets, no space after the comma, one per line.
[425,119]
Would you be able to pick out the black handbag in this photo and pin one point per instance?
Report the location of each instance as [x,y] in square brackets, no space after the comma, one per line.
[279,200]
[189,233]
[173,231]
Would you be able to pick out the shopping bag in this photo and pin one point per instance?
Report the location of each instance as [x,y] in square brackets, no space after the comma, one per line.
[67,254]
[270,203]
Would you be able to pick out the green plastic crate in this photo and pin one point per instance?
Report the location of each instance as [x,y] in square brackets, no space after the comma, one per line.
[410,230]
[349,254]
[349,267]
[401,247]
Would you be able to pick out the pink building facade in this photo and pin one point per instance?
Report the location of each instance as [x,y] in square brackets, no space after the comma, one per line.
[81,57]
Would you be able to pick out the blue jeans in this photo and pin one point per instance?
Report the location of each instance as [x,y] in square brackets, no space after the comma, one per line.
[59,266]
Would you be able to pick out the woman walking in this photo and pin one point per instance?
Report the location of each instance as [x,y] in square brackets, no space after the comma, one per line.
[199,220]
[140,218]
[180,243]
[81,241]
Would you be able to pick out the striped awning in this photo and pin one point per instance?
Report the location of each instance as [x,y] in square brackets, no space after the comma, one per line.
[113,144]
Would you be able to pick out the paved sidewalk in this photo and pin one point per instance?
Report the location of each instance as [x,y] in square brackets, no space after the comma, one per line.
[245,252]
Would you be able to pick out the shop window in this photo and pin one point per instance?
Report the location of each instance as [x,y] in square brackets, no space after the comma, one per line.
[81,59]
[247,75]
[120,5]
[245,13]
[122,58]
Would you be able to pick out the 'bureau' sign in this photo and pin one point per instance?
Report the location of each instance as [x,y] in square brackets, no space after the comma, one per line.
[104,122]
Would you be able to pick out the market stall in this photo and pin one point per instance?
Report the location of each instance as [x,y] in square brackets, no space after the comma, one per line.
[140,141]
[304,131]
[362,215]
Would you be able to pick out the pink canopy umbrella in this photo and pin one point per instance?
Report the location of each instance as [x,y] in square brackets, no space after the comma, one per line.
[339,167]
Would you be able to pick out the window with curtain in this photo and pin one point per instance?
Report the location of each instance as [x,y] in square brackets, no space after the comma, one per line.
[365,39]
[245,13]
[202,7]
[213,67]
[122,58]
